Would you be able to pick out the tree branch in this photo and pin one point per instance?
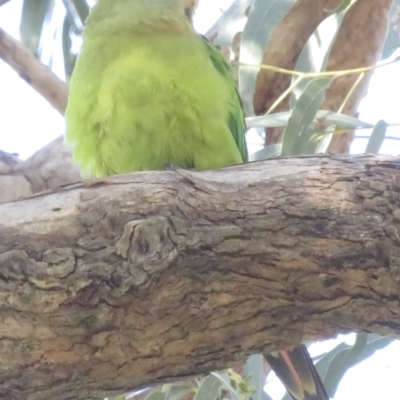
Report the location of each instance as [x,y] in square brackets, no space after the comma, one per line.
[34,72]
[367,20]
[120,283]
[49,168]
[282,50]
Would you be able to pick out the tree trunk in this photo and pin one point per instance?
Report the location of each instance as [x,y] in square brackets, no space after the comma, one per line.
[118,283]
[284,47]
[358,44]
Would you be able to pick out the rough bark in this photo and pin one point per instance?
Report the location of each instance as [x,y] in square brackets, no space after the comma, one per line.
[48,168]
[11,186]
[136,279]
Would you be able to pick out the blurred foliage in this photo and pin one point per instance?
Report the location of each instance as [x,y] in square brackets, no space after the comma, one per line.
[255,19]
[37,21]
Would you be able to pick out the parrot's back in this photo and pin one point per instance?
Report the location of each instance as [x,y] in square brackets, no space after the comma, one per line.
[142,99]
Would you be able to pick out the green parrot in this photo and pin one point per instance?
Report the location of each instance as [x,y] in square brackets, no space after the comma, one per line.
[148,91]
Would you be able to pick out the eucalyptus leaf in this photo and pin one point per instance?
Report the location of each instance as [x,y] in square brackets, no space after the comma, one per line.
[298,135]
[342,362]
[156,396]
[232,21]
[263,18]
[271,151]
[175,391]
[341,120]
[392,41]
[374,342]
[345,359]
[82,9]
[223,377]
[377,137]
[35,13]
[323,117]
[323,364]
[209,389]
[69,58]
[254,369]
[269,120]
[72,13]
[315,53]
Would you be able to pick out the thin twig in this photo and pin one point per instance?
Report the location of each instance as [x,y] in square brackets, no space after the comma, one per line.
[284,94]
[351,91]
[325,74]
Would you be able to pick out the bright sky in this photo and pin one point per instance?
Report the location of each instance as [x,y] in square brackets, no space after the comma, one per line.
[28,122]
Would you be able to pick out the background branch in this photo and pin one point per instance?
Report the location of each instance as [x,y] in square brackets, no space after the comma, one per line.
[33,71]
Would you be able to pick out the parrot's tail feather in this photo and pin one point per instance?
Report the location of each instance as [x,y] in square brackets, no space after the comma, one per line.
[297,372]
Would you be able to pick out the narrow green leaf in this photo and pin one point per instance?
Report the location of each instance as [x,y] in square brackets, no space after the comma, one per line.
[373,346]
[392,41]
[69,59]
[120,397]
[232,21]
[323,364]
[269,120]
[175,392]
[156,396]
[362,349]
[271,151]
[33,17]
[323,117]
[298,135]
[263,18]
[341,120]
[167,391]
[76,13]
[209,389]
[315,53]
[223,377]
[377,137]
[82,8]
[375,342]
[254,369]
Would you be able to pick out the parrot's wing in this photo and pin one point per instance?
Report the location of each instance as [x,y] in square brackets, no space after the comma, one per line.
[236,123]
[298,374]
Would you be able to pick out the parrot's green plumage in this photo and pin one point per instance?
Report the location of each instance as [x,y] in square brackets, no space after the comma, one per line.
[148,91]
